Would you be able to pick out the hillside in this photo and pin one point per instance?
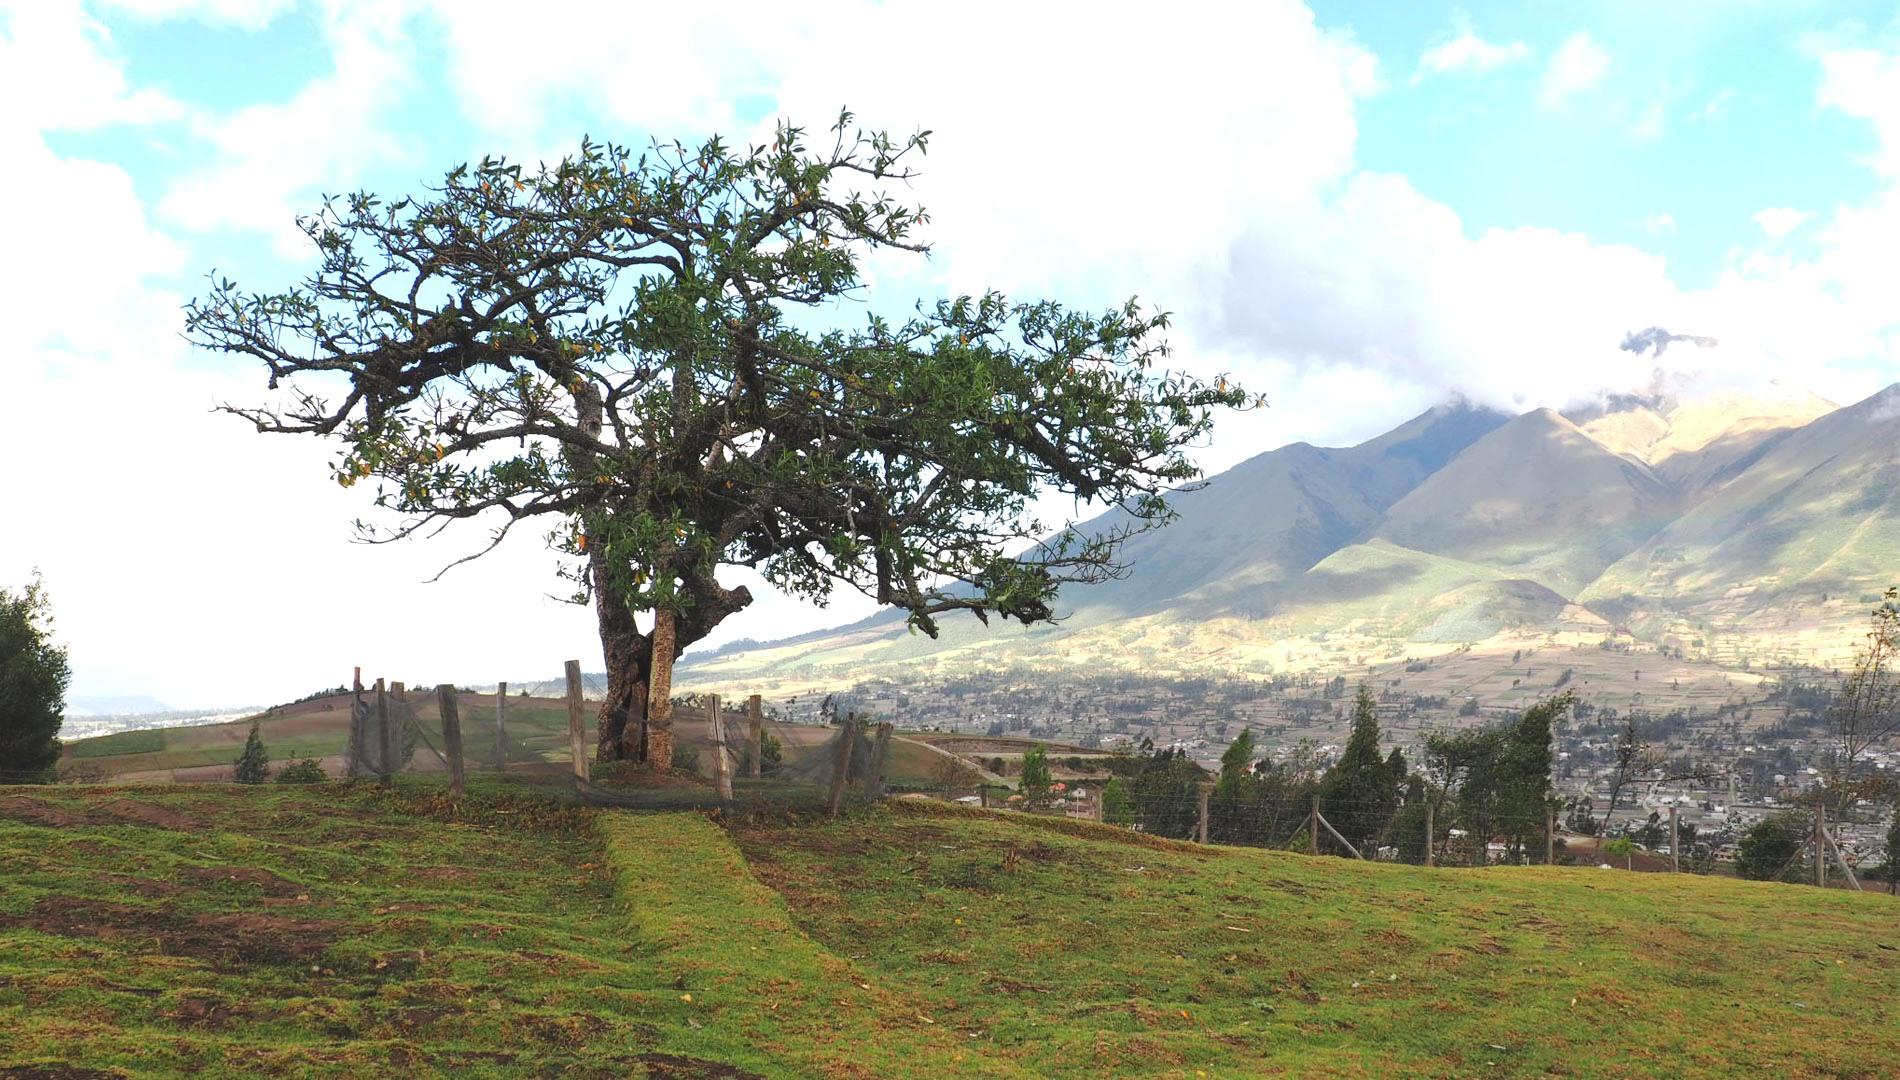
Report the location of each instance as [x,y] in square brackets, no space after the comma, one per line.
[1651,516]
[335,932]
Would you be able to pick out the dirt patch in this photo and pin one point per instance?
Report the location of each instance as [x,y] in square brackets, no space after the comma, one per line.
[119,811]
[128,812]
[230,938]
[39,812]
[267,883]
[674,1067]
[442,873]
[208,1013]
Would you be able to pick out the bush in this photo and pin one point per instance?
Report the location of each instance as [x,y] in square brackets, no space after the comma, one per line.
[685,758]
[307,771]
[1771,848]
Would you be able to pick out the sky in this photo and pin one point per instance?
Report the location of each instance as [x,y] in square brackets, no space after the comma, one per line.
[1358,209]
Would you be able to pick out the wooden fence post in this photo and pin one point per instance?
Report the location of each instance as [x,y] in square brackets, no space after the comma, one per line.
[1820,845]
[880,756]
[1312,827]
[755,735]
[445,703]
[841,762]
[722,768]
[1431,837]
[1675,843]
[357,753]
[1204,790]
[576,725]
[386,737]
[501,736]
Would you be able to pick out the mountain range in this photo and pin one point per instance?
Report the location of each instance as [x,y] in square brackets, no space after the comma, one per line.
[1728,528]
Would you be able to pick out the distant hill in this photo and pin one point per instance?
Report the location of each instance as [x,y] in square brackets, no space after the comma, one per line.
[1729,526]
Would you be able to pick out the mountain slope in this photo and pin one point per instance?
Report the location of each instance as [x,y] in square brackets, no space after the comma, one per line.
[1537,499]
[1817,514]
[1275,515]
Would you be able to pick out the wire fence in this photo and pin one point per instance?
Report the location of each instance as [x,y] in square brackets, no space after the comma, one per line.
[739,757]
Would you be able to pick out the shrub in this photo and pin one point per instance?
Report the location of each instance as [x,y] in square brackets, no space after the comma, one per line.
[307,771]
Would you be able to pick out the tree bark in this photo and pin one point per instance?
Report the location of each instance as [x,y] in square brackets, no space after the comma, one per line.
[629,657]
[660,693]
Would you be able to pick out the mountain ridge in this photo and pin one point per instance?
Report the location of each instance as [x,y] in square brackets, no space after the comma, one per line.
[1656,518]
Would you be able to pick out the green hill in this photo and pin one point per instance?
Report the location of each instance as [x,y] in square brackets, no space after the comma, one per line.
[331,931]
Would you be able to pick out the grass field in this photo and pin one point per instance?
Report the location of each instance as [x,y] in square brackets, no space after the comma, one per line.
[333,931]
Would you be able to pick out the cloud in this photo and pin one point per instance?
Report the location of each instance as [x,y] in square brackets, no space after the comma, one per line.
[57,72]
[1578,65]
[1660,223]
[267,160]
[1865,83]
[1468,54]
[1779,221]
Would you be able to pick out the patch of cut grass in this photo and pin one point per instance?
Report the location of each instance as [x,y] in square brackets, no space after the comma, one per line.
[1078,950]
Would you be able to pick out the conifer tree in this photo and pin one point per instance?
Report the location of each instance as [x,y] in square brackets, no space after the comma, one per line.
[1359,794]
[252,766]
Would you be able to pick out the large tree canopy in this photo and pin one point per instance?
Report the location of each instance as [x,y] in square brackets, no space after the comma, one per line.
[33,680]
[649,352]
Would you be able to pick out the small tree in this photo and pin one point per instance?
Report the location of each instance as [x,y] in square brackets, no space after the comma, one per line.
[950,773]
[253,765]
[33,678]
[1359,794]
[1770,848]
[1116,808]
[1867,710]
[1036,780]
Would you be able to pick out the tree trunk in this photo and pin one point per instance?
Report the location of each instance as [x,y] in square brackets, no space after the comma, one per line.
[660,694]
[628,654]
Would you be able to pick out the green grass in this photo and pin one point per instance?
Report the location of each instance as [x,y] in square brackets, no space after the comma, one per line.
[150,741]
[339,931]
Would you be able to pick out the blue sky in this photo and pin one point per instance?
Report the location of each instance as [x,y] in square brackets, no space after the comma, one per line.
[1357,208]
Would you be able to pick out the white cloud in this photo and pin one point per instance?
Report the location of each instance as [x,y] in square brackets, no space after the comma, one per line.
[1578,65]
[1866,83]
[269,160]
[1660,223]
[57,72]
[1779,221]
[1469,53]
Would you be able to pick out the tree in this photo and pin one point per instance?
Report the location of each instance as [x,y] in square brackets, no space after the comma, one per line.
[1116,808]
[949,773]
[1770,848]
[253,765]
[632,350]
[1036,780]
[1867,710]
[34,676]
[1359,794]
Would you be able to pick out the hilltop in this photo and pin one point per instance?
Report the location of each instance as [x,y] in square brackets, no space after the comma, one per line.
[332,931]
[1718,529]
